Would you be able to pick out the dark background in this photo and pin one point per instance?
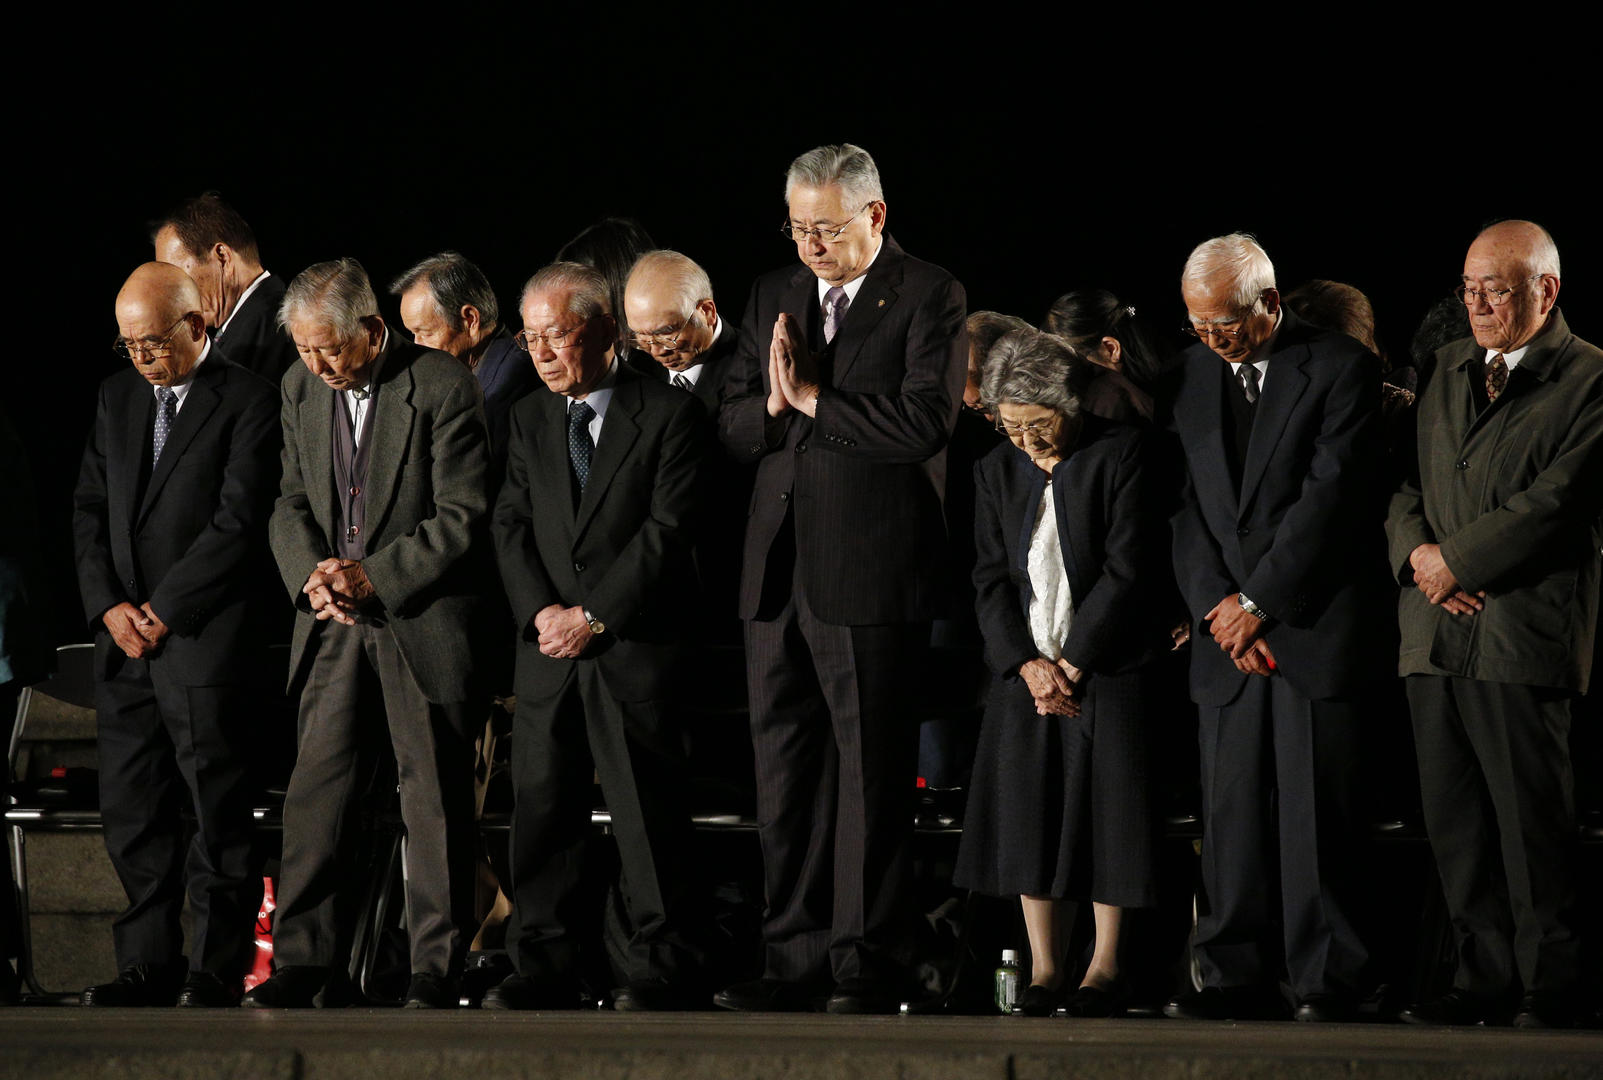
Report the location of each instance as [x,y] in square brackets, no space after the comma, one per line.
[1024,175]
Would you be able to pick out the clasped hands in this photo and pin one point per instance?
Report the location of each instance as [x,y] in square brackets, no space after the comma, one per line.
[137,631]
[1440,586]
[337,589]
[564,631]
[792,371]
[1054,686]
[1240,634]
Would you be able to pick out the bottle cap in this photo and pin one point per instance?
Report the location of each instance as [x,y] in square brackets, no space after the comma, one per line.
[1010,956]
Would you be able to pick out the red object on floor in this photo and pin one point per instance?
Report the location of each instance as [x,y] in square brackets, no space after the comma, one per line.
[262,969]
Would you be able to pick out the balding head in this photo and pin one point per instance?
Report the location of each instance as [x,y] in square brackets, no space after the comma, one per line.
[669,308]
[159,323]
[1514,263]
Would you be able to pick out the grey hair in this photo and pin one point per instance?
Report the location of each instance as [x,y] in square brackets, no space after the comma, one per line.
[849,166]
[1028,367]
[591,296]
[453,282]
[1239,259]
[985,329]
[689,281]
[337,293]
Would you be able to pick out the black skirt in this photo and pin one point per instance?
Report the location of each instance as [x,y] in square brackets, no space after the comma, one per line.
[1062,806]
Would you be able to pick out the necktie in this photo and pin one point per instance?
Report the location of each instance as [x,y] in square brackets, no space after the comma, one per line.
[579,445]
[683,383]
[1496,377]
[166,413]
[1249,382]
[835,305]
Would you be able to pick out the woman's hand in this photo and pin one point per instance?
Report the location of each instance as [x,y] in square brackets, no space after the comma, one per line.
[1054,692]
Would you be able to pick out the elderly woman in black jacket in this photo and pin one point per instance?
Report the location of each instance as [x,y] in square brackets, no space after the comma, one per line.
[1059,805]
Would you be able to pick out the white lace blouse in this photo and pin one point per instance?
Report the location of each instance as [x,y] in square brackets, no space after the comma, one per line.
[1051,606]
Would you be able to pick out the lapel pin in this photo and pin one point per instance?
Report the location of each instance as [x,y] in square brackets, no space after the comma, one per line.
[882,303]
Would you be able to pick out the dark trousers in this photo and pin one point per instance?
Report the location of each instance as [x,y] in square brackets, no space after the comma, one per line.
[1281,820]
[835,744]
[638,751]
[158,738]
[358,685]
[1498,791]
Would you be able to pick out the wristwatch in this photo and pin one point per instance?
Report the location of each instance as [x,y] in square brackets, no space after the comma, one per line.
[1250,608]
[596,625]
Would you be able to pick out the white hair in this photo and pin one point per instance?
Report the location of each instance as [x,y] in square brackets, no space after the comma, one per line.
[1237,259]
[337,293]
[687,281]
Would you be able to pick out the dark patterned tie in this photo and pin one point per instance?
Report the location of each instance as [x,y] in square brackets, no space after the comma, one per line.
[1249,382]
[166,413]
[1496,377]
[682,382]
[580,446]
[835,305]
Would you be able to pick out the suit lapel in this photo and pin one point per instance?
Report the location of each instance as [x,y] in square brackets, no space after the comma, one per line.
[1029,484]
[316,415]
[874,299]
[1282,388]
[123,469]
[392,432]
[1202,426]
[618,434]
[553,458]
[200,403]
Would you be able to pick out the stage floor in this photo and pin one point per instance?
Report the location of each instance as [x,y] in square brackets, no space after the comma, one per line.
[373,1044]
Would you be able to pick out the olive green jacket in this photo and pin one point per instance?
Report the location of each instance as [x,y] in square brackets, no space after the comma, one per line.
[1514,496]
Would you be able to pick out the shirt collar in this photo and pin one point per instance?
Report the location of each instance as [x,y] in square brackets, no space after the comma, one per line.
[1512,359]
[600,395]
[855,285]
[244,296]
[181,390]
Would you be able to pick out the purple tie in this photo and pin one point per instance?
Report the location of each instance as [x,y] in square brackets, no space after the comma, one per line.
[835,305]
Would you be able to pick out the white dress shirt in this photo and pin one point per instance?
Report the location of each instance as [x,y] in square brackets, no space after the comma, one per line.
[181,390]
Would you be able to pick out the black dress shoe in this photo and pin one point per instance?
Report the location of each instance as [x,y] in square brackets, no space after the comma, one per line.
[1227,1003]
[137,986]
[1038,1001]
[523,992]
[1454,1008]
[1327,1009]
[289,988]
[1541,1009]
[656,995]
[767,995]
[1098,1002]
[203,990]
[863,997]
[427,991]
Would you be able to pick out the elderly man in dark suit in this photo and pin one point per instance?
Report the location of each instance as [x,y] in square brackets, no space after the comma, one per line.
[1279,553]
[1498,536]
[208,239]
[170,528]
[844,392]
[447,304]
[379,536]
[592,529]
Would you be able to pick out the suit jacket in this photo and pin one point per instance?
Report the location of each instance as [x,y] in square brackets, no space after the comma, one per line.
[623,552]
[425,517]
[1513,496]
[864,480]
[254,339]
[1105,528]
[189,537]
[505,373]
[1302,538]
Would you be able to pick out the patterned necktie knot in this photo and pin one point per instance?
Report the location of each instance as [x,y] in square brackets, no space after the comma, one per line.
[835,305]
[580,445]
[1496,377]
[166,413]
[1249,382]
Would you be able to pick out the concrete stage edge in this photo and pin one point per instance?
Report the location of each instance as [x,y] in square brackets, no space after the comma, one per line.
[360,1044]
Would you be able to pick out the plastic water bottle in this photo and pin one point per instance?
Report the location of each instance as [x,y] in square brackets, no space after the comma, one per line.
[1007,982]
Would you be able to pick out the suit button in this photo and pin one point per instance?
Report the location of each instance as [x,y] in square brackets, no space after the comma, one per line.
[784,496]
[1462,465]
[1243,532]
[756,448]
[578,567]
[801,448]
[131,584]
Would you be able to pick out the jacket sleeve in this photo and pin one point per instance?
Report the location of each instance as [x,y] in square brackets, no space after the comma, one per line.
[209,571]
[913,424]
[91,527]
[523,572]
[1008,644]
[1102,614]
[744,426]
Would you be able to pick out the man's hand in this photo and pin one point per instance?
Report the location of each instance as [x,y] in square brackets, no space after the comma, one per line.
[1431,574]
[1463,603]
[1051,687]
[566,633]
[1257,660]
[126,625]
[337,589]
[792,370]
[153,630]
[1233,627]
[1179,633]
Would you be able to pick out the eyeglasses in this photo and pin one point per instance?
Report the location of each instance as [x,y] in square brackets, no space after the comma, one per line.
[159,349]
[1202,333]
[826,234]
[1040,429]
[554,339]
[1495,297]
[664,339]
